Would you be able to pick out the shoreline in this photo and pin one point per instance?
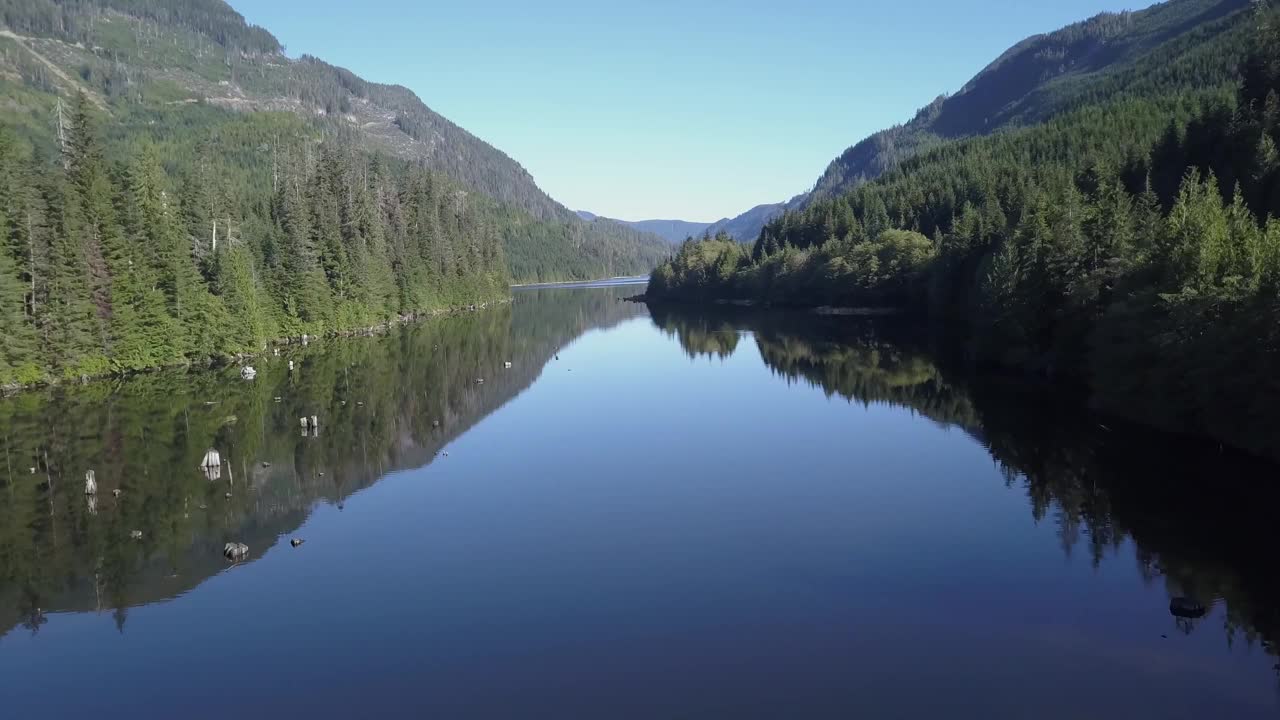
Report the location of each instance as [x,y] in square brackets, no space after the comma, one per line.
[241,359]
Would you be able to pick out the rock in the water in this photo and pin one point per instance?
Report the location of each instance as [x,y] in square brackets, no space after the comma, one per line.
[235,551]
[1189,608]
[135,534]
[296,542]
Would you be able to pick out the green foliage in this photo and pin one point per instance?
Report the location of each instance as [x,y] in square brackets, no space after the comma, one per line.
[126,266]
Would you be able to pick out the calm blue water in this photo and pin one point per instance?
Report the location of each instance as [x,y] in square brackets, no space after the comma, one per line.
[676,516]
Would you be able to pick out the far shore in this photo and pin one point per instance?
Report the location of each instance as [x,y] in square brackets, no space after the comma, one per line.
[603,282]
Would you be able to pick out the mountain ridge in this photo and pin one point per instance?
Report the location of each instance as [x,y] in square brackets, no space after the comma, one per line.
[673,231]
[180,53]
[1034,80]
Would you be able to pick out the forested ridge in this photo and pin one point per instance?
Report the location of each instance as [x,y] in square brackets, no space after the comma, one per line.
[1130,245]
[1170,46]
[152,63]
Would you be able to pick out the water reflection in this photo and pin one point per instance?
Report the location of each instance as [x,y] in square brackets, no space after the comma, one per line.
[1199,517]
[185,462]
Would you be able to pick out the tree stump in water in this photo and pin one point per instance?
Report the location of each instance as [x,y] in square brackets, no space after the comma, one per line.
[235,552]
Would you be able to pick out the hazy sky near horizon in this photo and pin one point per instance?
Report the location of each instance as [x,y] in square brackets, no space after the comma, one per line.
[693,110]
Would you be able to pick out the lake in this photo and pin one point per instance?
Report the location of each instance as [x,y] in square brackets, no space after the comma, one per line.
[681,513]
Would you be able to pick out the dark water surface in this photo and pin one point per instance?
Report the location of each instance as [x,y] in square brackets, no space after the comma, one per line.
[682,515]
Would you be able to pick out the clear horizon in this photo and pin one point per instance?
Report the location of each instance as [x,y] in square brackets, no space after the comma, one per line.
[669,111]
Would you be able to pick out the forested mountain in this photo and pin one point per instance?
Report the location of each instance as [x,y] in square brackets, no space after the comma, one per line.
[673,231]
[1128,243]
[173,189]
[1108,57]
[177,59]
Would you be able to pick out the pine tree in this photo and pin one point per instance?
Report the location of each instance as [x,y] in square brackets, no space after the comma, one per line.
[241,296]
[70,323]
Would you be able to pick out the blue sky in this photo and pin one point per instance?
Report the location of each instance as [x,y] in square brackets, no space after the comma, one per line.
[658,109]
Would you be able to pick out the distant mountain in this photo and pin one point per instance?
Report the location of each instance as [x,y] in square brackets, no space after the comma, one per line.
[673,231]
[1106,57]
[746,227]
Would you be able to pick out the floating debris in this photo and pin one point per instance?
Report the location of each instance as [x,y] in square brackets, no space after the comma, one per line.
[321,474]
[212,471]
[227,496]
[266,464]
[116,492]
[296,542]
[507,365]
[135,534]
[435,423]
[90,483]
[290,366]
[248,373]
[212,459]
[279,399]
[235,552]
